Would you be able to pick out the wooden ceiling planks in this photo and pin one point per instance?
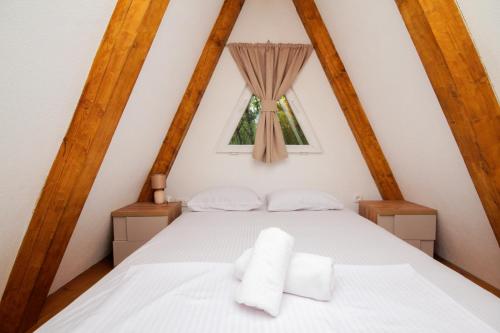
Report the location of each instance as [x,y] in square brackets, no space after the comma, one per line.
[110,81]
[194,92]
[464,91]
[348,99]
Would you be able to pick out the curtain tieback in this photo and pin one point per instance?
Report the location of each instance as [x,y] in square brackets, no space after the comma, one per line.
[268,105]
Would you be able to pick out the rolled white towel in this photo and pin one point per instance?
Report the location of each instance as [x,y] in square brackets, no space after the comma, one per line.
[264,278]
[309,275]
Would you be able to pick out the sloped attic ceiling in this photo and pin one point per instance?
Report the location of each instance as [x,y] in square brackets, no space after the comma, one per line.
[388,143]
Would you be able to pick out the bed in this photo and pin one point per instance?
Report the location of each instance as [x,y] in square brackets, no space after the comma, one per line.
[220,237]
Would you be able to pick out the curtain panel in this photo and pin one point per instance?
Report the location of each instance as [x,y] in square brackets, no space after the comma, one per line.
[269,71]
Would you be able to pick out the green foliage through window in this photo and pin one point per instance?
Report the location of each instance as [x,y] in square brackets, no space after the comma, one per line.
[245,131]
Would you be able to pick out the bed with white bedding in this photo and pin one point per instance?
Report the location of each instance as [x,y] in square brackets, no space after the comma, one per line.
[181,281]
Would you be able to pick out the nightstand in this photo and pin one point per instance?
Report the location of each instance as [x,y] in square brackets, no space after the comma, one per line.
[135,224]
[413,223]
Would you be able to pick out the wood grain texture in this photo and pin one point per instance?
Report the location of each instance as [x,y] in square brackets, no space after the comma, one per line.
[114,71]
[463,90]
[483,284]
[371,209]
[194,92]
[348,99]
[170,209]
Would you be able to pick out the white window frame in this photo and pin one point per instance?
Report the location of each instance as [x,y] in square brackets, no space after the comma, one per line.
[224,147]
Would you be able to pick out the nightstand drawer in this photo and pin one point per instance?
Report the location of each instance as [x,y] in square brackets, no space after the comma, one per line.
[413,223]
[135,224]
[413,242]
[386,222]
[119,228]
[426,246]
[421,227]
[138,228]
[122,249]
[144,228]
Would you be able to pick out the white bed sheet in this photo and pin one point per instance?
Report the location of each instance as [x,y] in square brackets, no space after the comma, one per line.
[345,236]
[383,298]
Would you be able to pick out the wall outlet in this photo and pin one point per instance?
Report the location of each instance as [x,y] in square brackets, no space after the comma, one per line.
[183,201]
[173,198]
[358,198]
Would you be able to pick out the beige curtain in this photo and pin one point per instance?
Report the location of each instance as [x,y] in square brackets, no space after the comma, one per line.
[269,71]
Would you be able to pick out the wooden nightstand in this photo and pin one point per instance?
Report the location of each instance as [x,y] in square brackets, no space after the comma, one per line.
[135,224]
[413,223]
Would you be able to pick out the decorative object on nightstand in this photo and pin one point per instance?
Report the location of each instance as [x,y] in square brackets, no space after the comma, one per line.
[135,224]
[413,223]
[158,184]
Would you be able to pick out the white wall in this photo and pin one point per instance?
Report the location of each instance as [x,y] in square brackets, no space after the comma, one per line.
[43,68]
[339,170]
[47,49]
[406,116]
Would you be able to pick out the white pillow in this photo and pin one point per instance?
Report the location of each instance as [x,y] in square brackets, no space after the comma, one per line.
[288,200]
[225,198]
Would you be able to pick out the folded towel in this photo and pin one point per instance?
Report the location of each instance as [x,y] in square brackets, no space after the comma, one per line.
[309,275]
[264,279]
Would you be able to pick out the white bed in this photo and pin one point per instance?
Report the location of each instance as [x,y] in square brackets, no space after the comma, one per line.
[220,237]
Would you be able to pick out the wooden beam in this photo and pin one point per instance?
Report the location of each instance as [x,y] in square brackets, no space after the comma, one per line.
[194,92]
[348,99]
[112,76]
[463,90]
[483,284]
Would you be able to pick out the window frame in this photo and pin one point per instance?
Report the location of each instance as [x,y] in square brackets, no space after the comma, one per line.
[224,147]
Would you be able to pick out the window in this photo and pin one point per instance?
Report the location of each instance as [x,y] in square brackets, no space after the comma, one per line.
[239,134]
[244,133]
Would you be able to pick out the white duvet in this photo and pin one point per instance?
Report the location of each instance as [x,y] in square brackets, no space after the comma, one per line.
[222,236]
[199,297]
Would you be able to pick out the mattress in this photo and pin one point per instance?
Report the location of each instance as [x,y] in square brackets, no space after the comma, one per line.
[343,235]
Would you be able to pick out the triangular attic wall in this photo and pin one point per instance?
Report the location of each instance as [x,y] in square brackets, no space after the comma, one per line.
[387,74]
[341,162]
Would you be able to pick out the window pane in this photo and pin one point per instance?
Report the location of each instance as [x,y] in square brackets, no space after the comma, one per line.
[289,125]
[245,131]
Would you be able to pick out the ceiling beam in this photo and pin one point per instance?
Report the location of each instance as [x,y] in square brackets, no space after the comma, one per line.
[194,92]
[464,91]
[348,99]
[112,76]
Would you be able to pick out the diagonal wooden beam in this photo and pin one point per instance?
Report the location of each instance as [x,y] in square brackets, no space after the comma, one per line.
[194,92]
[114,71]
[463,90]
[348,99]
